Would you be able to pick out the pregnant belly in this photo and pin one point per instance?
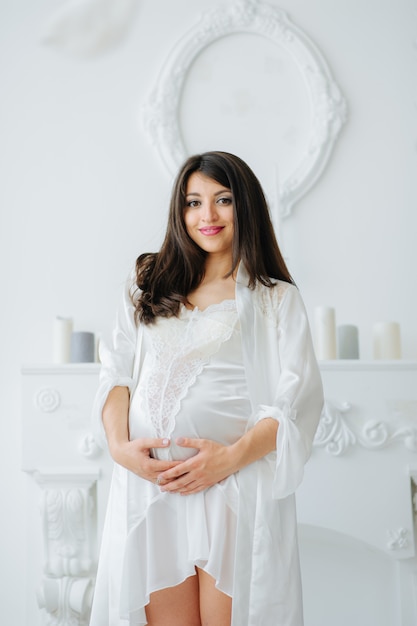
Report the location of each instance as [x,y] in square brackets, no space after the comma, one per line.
[218,412]
[222,429]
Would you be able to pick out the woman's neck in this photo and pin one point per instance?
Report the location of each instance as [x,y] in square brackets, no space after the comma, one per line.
[216,268]
[215,286]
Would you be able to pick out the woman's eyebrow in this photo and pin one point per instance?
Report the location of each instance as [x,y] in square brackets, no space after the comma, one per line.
[218,193]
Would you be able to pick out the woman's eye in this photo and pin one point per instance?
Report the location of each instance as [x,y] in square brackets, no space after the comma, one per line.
[192,204]
[226,200]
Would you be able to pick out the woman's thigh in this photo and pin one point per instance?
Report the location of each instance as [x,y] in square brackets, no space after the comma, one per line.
[215,606]
[175,606]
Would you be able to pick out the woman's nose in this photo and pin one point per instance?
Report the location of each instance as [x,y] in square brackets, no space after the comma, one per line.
[209,212]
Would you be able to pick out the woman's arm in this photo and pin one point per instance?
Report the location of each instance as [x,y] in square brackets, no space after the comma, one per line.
[256,442]
[115,418]
[133,455]
[214,462]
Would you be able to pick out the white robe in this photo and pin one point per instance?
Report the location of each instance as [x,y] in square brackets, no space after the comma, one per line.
[284,383]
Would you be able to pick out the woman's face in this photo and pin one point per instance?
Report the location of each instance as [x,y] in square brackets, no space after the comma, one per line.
[208,214]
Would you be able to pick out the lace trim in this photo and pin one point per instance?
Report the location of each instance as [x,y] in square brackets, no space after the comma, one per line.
[269,298]
[224,305]
[181,347]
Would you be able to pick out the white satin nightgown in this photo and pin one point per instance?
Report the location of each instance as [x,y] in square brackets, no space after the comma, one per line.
[192,384]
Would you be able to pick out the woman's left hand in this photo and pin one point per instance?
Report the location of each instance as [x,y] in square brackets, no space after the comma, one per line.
[212,463]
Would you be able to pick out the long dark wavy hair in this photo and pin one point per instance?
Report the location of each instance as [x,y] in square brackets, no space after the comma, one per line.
[165,278]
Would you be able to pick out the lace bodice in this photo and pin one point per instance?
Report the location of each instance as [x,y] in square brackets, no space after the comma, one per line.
[178,348]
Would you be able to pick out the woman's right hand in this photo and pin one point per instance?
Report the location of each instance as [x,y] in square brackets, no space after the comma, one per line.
[135,456]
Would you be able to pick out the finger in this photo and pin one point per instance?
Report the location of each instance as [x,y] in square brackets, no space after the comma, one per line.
[188,442]
[192,488]
[174,485]
[156,477]
[174,473]
[154,442]
[162,466]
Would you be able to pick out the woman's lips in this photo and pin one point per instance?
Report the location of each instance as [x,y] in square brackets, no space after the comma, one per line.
[211,230]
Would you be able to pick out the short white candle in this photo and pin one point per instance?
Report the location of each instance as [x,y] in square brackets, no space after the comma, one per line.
[325,332]
[82,347]
[348,342]
[62,339]
[387,340]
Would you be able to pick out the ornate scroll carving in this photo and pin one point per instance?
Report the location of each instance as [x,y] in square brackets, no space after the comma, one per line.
[327,104]
[88,447]
[68,509]
[336,436]
[332,433]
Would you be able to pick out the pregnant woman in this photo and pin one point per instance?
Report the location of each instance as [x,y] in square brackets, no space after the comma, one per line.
[209,399]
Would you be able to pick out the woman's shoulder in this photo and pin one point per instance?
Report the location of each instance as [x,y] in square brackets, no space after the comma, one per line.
[274,293]
[270,300]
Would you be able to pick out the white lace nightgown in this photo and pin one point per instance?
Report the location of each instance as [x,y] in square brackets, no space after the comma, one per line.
[192,384]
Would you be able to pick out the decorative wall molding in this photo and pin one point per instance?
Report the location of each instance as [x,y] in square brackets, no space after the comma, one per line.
[336,436]
[68,511]
[88,447]
[398,539]
[333,434]
[47,400]
[328,106]
[67,600]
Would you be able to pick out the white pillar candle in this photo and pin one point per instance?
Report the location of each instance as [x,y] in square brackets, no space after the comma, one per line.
[97,348]
[348,342]
[62,339]
[325,332]
[387,340]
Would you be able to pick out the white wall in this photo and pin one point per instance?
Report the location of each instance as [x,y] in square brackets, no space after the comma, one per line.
[82,192]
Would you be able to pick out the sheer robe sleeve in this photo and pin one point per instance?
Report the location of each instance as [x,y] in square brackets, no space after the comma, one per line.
[117,359]
[298,394]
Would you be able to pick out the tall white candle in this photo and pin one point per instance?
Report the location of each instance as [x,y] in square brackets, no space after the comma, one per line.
[62,339]
[325,332]
[387,340]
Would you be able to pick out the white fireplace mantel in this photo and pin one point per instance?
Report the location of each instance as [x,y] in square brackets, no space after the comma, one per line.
[359,485]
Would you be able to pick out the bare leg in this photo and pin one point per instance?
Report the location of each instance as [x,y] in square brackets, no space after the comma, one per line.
[215,606]
[175,606]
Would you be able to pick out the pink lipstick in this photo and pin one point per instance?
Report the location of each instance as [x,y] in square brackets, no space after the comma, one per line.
[211,230]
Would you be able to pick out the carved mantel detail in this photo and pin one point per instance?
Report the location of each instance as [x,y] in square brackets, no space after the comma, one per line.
[47,400]
[88,447]
[68,512]
[398,539]
[336,435]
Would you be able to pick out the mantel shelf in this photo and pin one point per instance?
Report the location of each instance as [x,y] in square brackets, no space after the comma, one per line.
[331,365]
[357,365]
[64,368]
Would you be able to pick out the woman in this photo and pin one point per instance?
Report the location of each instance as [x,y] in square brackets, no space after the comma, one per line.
[209,400]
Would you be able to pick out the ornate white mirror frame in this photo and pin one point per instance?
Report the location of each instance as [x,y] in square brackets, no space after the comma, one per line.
[327,104]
